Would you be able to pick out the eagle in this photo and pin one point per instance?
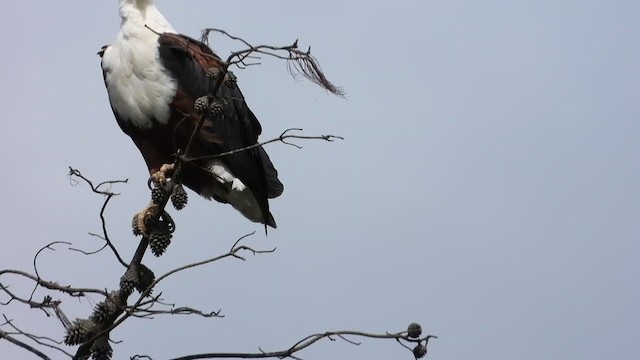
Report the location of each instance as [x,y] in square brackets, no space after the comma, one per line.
[154,77]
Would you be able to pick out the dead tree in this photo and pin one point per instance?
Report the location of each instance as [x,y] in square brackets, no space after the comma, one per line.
[92,333]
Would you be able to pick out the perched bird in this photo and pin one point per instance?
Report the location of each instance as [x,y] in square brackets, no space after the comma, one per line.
[158,81]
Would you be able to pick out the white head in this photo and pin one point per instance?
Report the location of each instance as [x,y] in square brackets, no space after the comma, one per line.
[137,3]
[129,6]
[140,13]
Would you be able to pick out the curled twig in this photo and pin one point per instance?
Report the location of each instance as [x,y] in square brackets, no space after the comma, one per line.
[35,261]
[96,189]
[105,235]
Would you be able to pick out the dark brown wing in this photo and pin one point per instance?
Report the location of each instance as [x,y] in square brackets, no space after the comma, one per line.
[233,128]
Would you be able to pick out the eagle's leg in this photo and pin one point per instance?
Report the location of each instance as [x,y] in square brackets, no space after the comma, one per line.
[142,219]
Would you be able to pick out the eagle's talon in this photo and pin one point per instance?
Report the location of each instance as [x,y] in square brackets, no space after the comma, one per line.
[136,225]
[159,178]
[141,219]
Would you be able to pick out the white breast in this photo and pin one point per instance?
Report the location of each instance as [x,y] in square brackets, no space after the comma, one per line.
[140,88]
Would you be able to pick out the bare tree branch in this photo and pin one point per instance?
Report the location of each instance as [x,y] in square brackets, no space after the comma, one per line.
[130,310]
[92,334]
[69,290]
[96,188]
[285,135]
[38,353]
[183,310]
[298,62]
[38,339]
[310,340]
[35,261]
[46,303]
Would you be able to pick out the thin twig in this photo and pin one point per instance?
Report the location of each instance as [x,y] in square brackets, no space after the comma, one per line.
[95,189]
[285,135]
[35,338]
[46,302]
[35,262]
[180,311]
[40,354]
[69,290]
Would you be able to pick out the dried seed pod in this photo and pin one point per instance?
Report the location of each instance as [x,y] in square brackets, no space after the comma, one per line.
[135,225]
[230,79]
[179,197]
[419,351]
[216,108]
[80,331]
[129,280]
[414,330]
[158,242]
[201,104]
[158,194]
[104,310]
[146,278]
[101,349]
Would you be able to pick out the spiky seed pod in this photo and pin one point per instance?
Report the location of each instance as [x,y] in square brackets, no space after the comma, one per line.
[179,197]
[230,79]
[158,194]
[419,351]
[414,330]
[101,349]
[80,331]
[129,280]
[216,108]
[146,276]
[201,104]
[101,312]
[213,72]
[158,242]
[105,309]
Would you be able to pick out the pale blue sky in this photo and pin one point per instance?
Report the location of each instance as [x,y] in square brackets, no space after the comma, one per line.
[487,187]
